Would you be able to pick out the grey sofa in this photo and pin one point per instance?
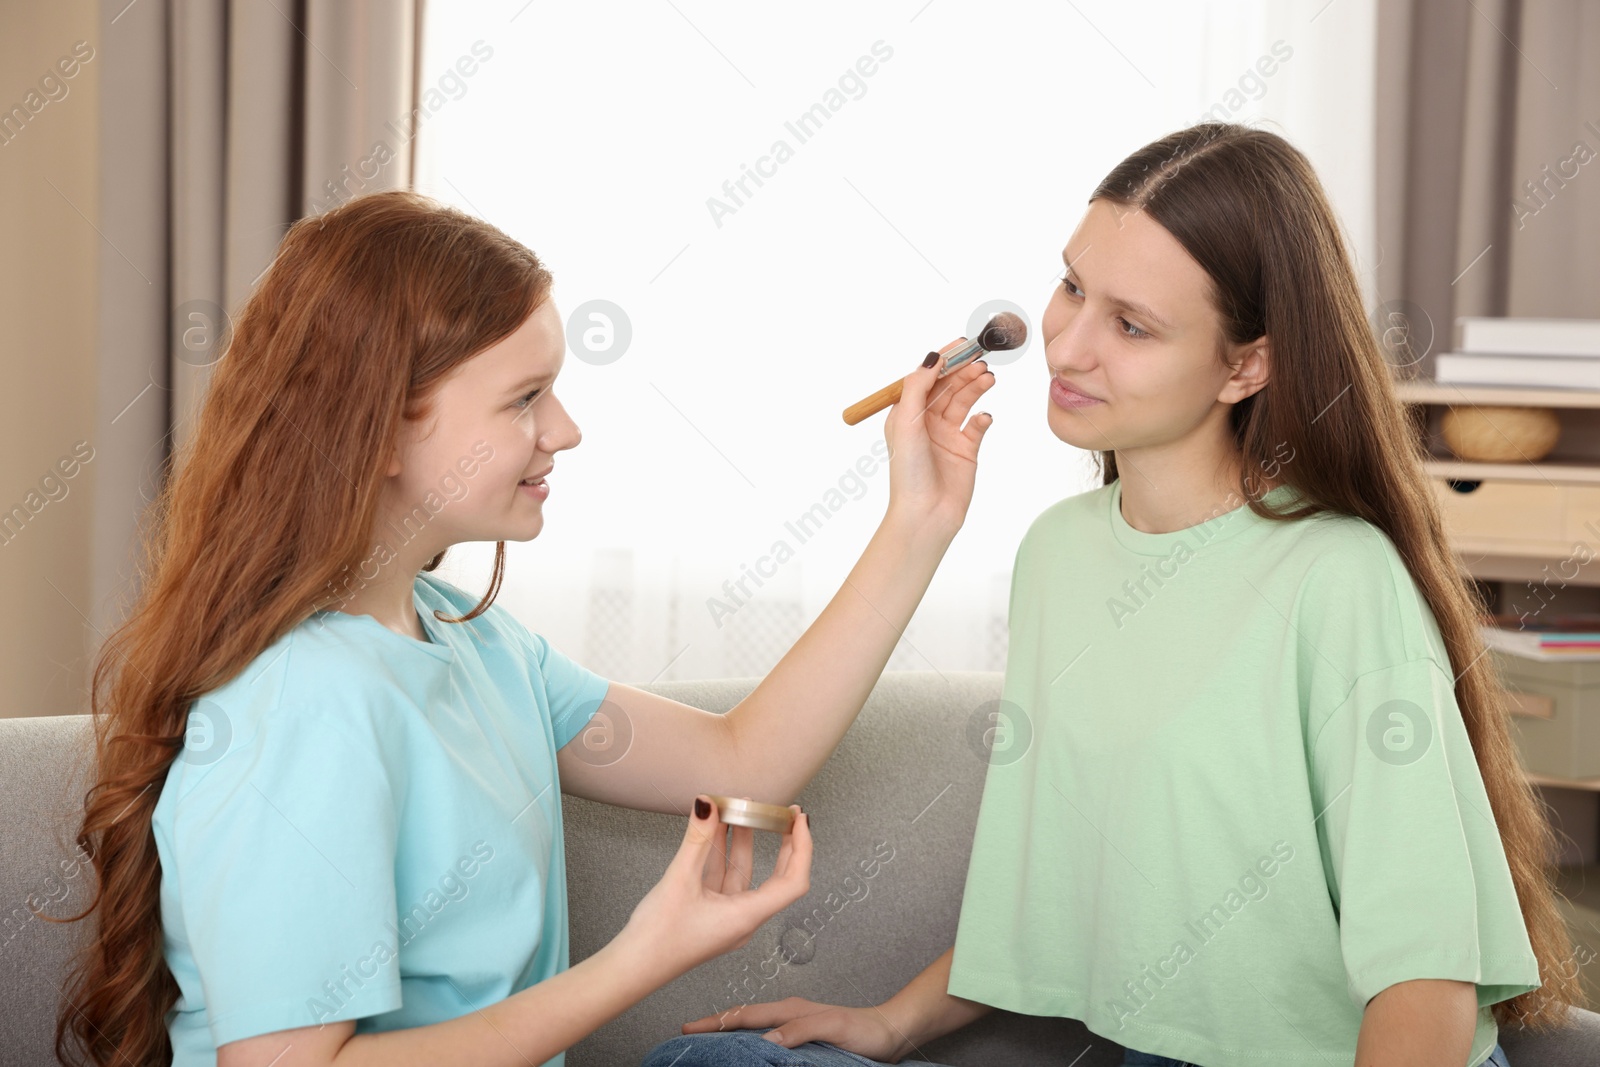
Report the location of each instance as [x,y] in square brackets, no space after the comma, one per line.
[893,811]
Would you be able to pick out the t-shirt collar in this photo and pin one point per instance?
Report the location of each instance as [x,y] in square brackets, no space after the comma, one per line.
[1218,527]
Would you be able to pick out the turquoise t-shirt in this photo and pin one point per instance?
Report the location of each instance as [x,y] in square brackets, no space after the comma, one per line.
[366,826]
[1232,797]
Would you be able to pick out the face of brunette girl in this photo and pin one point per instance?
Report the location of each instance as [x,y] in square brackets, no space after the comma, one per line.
[496,424]
[1132,327]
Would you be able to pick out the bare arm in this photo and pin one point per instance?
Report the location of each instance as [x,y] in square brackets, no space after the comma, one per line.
[924,1010]
[788,727]
[775,740]
[1426,1022]
[701,908]
[527,1027]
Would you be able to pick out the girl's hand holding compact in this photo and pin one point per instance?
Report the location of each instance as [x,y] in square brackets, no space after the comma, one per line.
[704,905]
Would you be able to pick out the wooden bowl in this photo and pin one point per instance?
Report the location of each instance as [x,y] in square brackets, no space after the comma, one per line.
[1500,434]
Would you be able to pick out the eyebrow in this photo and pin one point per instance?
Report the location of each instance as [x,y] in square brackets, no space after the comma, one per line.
[532,379]
[1142,310]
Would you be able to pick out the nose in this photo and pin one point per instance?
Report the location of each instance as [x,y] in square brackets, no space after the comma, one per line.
[1069,347]
[559,431]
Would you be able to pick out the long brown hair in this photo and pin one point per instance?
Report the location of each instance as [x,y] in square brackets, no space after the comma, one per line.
[270,508]
[1248,207]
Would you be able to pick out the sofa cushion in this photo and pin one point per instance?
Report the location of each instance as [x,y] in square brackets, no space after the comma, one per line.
[893,808]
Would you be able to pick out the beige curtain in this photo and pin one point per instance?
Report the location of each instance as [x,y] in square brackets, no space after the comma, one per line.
[1488,157]
[275,113]
[221,124]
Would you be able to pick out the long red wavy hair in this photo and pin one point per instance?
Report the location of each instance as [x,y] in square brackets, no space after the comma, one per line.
[362,312]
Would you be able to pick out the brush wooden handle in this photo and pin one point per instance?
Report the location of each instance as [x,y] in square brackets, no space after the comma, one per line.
[889,394]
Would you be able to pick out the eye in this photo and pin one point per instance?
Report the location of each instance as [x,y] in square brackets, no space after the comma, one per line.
[525,399]
[1132,333]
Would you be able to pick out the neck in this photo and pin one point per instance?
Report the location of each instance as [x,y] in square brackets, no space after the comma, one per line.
[1165,492]
[388,594]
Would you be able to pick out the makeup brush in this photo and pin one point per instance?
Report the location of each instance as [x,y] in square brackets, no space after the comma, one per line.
[1003,332]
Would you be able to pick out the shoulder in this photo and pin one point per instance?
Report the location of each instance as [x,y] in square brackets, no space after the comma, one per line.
[1354,574]
[295,723]
[1341,549]
[1065,516]
[331,680]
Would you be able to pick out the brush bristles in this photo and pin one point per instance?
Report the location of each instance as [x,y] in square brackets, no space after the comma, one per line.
[1004,332]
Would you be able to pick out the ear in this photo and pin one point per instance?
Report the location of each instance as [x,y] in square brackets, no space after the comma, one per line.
[394,466]
[1252,363]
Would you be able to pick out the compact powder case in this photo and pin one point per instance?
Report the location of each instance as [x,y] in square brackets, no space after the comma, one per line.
[736,811]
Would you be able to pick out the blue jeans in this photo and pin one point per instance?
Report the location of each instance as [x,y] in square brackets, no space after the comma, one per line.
[1497,1058]
[747,1048]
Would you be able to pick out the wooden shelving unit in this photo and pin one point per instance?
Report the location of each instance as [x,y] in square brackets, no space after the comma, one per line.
[1577,461]
[1532,513]
[1590,784]
[1419,391]
[1570,472]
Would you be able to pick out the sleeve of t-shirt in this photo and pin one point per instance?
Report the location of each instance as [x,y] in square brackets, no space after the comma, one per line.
[1417,870]
[283,860]
[572,692]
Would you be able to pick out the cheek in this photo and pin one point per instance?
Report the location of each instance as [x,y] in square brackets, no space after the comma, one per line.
[525,425]
[516,446]
[1197,376]
[459,447]
[1151,385]
[1168,385]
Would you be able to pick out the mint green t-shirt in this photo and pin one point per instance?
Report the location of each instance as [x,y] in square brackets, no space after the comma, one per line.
[366,826]
[1232,797]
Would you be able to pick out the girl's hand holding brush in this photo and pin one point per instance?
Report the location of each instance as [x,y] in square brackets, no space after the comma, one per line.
[933,460]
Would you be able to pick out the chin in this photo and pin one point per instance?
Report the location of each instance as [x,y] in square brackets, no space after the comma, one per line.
[1066,431]
[521,529]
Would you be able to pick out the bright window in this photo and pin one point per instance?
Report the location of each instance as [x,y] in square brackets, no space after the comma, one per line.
[936,158]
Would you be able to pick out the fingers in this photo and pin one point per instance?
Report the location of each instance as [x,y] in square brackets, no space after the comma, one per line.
[962,403]
[965,386]
[729,866]
[915,386]
[977,426]
[939,394]
[822,1025]
[699,838]
[753,1016]
[741,860]
[786,848]
[794,880]
[715,868]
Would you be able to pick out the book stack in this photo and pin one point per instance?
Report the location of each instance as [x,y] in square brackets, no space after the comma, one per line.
[1523,353]
[1563,637]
